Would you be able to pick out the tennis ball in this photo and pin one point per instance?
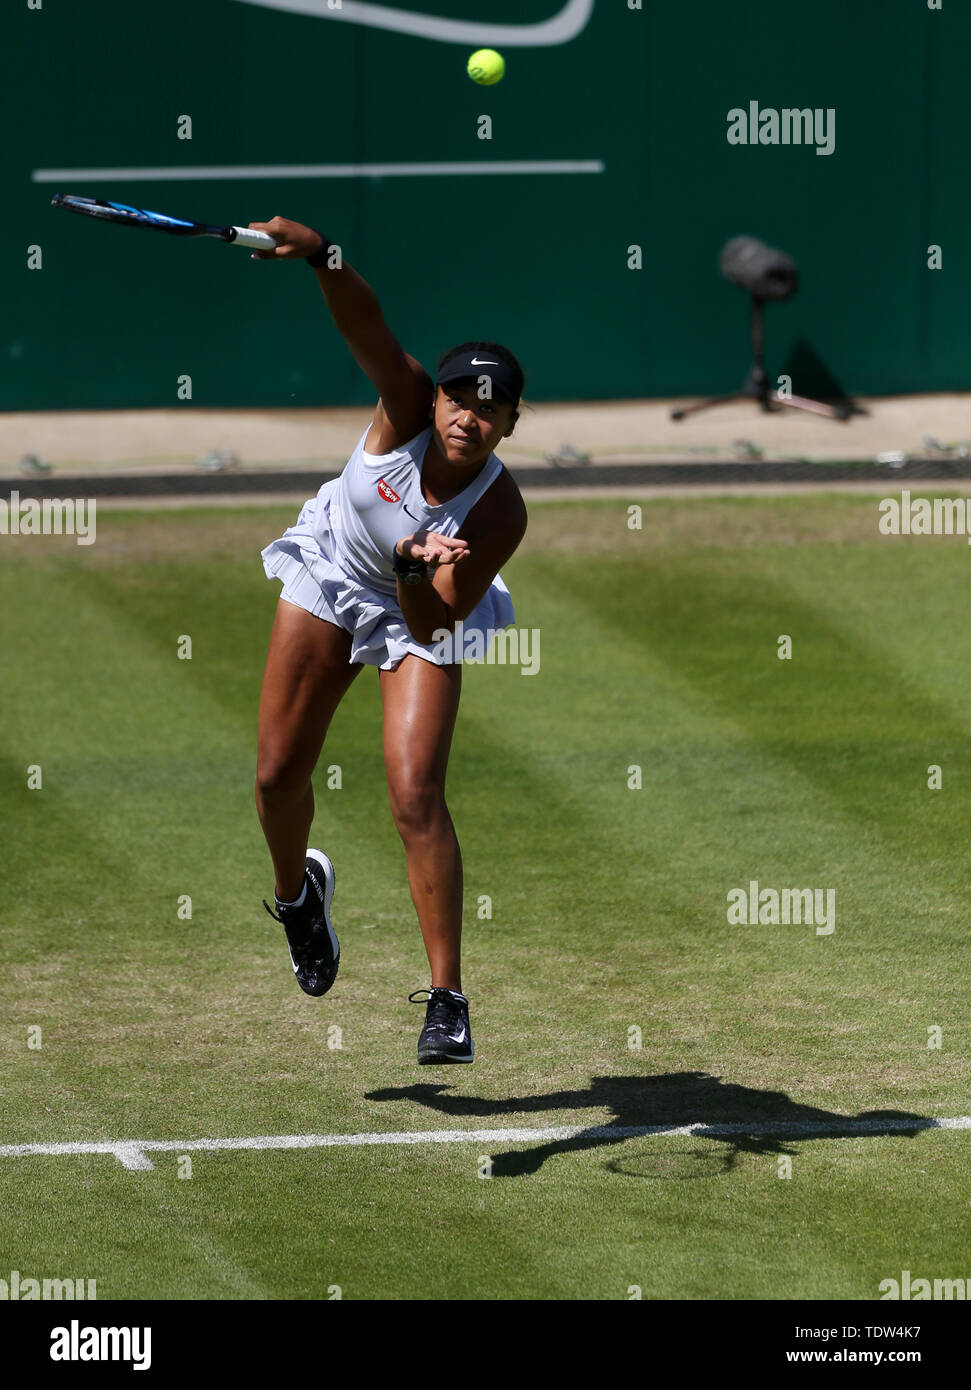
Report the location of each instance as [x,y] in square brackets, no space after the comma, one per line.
[486,66]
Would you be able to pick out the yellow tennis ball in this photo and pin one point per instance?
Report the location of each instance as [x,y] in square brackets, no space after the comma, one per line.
[486,66]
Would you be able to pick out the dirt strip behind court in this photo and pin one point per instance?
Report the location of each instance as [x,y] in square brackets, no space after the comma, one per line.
[172,441]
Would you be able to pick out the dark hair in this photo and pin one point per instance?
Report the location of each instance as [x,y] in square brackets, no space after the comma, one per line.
[479,345]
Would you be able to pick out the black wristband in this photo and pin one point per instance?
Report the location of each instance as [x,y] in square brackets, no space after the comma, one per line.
[411,571]
[319,259]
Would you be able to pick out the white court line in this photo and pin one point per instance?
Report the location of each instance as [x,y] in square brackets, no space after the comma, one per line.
[132,1153]
[187,172]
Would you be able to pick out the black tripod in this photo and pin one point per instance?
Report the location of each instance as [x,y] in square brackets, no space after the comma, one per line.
[756,387]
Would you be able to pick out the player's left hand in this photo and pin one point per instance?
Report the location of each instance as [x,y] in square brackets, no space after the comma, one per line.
[434,548]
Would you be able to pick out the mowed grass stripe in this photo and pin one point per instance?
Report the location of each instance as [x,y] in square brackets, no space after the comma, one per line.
[724,750]
[816,711]
[860,773]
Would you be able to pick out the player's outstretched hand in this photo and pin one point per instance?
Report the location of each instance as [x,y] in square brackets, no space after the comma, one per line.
[294,241]
[432,547]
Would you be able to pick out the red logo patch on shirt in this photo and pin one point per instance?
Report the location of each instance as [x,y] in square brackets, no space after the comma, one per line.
[387,492]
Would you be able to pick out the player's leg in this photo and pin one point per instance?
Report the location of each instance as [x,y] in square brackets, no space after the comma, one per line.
[420,703]
[307,673]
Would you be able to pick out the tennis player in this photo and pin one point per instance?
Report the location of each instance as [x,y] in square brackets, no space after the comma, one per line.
[379,566]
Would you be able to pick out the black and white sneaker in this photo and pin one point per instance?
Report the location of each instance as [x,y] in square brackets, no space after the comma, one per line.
[315,952]
[446,1036]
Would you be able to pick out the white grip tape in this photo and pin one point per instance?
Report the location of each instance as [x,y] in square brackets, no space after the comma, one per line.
[259,241]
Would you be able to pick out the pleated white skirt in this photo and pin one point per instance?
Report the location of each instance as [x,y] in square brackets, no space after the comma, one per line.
[304,559]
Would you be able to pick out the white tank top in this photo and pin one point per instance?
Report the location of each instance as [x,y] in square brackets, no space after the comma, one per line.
[378,500]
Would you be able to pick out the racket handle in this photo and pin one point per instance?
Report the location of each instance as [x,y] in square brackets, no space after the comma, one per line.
[259,241]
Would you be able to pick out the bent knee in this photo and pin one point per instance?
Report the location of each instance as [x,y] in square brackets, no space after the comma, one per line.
[417,805]
[278,776]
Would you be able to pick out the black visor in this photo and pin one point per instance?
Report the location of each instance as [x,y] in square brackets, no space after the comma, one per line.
[478,363]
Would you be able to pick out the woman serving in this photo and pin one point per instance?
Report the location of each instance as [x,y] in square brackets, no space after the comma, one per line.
[379,567]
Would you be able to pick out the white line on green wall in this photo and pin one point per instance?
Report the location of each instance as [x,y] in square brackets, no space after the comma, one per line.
[184,173]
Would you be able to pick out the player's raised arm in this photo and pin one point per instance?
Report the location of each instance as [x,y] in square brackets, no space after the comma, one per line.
[405,388]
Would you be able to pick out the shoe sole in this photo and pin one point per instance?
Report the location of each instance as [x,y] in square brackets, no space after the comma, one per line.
[329,877]
[443,1058]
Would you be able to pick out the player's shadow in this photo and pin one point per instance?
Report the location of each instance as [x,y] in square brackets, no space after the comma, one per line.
[745,1119]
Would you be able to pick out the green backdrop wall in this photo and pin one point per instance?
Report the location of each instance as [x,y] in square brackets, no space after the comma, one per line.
[540,260]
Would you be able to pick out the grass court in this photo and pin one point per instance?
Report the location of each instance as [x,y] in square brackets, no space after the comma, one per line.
[607,988]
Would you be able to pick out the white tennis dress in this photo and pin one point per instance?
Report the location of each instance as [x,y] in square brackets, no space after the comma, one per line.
[336,561]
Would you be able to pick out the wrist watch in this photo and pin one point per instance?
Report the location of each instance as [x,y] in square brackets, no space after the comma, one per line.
[408,571]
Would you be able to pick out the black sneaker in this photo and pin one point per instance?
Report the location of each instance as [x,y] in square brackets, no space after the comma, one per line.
[315,952]
[446,1036]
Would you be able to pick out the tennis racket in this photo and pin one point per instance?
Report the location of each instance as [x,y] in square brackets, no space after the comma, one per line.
[125,216]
